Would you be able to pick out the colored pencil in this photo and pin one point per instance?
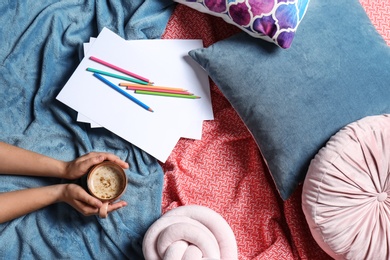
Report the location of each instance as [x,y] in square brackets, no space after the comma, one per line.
[118,89]
[117,76]
[159,90]
[112,66]
[155,93]
[125,84]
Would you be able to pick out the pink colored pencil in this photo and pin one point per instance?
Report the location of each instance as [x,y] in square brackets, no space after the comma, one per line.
[112,66]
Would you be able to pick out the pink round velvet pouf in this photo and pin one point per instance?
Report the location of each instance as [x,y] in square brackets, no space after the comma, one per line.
[346,191]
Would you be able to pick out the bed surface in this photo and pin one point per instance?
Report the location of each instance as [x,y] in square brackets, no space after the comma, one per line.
[224,171]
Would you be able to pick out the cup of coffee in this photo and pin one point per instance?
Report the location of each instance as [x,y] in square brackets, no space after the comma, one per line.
[106,181]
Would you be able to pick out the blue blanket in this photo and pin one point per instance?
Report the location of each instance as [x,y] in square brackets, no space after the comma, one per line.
[41,46]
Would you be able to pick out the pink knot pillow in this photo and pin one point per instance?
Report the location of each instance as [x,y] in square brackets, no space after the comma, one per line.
[346,191]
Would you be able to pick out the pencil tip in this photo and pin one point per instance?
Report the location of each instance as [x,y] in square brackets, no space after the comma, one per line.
[151,110]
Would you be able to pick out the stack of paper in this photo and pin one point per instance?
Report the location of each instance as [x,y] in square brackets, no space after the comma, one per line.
[166,63]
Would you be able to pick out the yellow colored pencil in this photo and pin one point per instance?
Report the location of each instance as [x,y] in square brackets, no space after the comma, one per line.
[156,93]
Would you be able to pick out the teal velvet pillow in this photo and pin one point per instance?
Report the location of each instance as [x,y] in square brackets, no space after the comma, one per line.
[336,72]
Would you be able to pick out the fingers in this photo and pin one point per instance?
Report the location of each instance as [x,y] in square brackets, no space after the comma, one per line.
[116,159]
[103,211]
[92,201]
[88,209]
[91,205]
[79,199]
[86,204]
[85,209]
[108,208]
[116,206]
[98,157]
[80,166]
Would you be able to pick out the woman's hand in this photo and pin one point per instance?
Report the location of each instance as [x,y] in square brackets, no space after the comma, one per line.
[35,164]
[21,202]
[75,195]
[83,202]
[80,166]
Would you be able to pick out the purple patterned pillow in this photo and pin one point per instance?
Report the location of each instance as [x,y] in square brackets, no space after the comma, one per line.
[272,20]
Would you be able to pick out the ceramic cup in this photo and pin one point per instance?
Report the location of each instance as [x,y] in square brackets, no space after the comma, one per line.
[106,181]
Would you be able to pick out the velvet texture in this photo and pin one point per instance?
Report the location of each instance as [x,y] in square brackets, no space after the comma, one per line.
[190,232]
[346,191]
[294,100]
[41,46]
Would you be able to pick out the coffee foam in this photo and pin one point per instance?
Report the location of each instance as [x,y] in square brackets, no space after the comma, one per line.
[106,183]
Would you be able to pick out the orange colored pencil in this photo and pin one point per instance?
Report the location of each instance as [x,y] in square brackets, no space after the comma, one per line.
[125,84]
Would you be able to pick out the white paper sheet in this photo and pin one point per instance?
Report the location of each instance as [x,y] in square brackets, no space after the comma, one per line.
[166,62]
[195,127]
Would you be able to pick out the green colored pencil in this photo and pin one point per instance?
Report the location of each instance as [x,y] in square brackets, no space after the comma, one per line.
[165,94]
[117,76]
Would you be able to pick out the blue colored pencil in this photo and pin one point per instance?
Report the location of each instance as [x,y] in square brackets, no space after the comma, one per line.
[113,86]
[105,73]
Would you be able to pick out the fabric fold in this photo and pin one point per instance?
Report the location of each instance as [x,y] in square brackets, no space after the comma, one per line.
[41,43]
